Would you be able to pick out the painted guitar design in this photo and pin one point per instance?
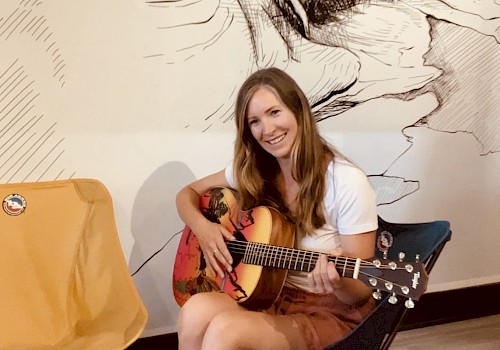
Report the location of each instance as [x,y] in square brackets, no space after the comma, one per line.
[262,255]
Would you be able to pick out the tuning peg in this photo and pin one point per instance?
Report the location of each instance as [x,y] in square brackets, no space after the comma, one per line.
[401,256]
[373,281]
[377,295]
[392,299]
[409,304]
[417,258]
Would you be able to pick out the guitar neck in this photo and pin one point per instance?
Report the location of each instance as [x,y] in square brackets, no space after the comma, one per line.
[263,254]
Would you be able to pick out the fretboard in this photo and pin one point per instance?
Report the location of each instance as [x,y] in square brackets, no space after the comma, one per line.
[263,254]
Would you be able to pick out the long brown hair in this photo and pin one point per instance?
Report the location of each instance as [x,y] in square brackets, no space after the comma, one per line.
[256,170]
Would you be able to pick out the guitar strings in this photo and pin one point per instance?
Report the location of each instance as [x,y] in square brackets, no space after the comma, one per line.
[287,256]
[242,247]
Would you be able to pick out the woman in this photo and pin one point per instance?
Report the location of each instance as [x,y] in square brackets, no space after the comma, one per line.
[280,160]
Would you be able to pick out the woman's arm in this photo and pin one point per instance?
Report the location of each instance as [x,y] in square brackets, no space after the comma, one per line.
[211,236]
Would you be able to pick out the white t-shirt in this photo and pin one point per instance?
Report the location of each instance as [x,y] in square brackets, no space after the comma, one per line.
[350,207]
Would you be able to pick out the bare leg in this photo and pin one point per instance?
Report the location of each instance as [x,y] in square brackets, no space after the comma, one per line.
[196,314]
[215,321]
[252,330]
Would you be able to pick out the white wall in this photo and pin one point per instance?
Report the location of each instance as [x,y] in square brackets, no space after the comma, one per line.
[140,95]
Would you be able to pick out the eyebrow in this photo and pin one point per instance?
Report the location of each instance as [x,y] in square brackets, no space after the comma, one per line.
[265,112]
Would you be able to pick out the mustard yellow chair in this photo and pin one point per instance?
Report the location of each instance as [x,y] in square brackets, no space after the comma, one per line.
[64,281]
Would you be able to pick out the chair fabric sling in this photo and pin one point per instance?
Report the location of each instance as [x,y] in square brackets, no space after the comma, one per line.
[64,281]
[379,328]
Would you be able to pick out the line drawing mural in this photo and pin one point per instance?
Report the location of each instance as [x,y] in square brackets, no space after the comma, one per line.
[352,52]
[386,79]
[30,147]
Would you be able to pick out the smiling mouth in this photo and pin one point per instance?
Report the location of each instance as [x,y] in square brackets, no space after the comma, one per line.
[276,140]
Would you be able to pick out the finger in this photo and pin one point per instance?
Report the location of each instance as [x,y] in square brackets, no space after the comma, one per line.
[227,235]
[215,264]
[325,278]
[316,279]
[224,258]
[337,251]
[333,276]
[311,280]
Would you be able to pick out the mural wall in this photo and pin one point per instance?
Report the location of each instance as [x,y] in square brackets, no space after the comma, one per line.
[139,94]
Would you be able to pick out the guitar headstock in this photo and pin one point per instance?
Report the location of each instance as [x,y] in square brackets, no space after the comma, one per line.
[406,279]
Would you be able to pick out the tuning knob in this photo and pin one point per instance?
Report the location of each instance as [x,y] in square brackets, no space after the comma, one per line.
[409,304]
[392,299]
[377,295]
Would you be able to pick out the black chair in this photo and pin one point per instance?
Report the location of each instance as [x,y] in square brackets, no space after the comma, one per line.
[422,240]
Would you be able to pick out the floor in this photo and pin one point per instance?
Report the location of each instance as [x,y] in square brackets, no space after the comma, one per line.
[475,334]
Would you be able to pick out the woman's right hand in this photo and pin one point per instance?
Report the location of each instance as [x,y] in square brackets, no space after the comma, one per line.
[211,236]
[212,239]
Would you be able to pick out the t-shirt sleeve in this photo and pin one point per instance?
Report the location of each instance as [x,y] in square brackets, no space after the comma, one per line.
[229,172]
[356,200]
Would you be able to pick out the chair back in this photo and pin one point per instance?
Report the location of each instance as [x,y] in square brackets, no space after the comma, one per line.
[425,240]
[64,281]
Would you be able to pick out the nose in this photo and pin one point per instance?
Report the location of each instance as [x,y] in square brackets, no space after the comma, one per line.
[267,126]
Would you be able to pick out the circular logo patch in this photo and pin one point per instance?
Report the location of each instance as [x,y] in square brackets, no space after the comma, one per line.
[14,204]
[384,241]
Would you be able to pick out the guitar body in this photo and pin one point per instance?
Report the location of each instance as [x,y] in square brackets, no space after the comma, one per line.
[254,287]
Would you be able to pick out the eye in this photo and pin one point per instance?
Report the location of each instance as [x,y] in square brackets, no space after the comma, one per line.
[252,122]
[275,112]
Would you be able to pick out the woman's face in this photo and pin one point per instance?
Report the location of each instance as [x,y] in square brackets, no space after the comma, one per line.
[272,124]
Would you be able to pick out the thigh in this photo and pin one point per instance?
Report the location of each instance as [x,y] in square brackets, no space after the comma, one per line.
[201,308]
[243,329]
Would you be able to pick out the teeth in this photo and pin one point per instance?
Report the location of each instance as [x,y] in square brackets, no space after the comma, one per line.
[276,140]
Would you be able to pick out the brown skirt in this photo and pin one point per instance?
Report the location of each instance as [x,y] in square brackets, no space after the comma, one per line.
[322,318]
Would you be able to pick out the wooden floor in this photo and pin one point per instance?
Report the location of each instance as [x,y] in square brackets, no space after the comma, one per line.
[475,334]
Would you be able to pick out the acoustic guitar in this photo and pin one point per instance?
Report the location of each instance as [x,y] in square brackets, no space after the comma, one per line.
[263,253]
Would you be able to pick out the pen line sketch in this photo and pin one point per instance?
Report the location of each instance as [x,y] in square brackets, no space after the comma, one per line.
[152,82]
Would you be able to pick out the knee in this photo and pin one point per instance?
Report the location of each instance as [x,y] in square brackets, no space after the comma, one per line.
[226,330]
[197,313]
[192,314]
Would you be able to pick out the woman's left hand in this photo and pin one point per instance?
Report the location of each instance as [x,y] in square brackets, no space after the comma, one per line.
[325,278]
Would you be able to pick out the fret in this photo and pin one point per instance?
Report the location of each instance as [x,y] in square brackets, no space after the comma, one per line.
[311,262]
[247,259]
[245,254]
[290,260]
[273,256]
[264,250]
[280,259]
[355,273]
[254,254]
[260,254]
[303,260]
[267,255]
